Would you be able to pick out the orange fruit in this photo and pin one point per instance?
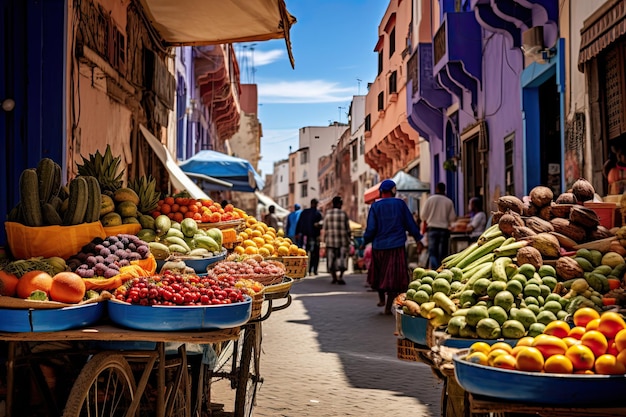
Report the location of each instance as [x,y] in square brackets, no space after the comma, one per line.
[620,340]
[558,328]
[494,354]
[505,361]
[480,347]
[477,357]
[549,345]
[570,341]
[33,281]
[609,365]
[593,324]
[595,341]
[502,345]
[581,357]
[577,332]
[8,284]
[525,341]
[584,315]
[611,323]
[529,359]
[67,287]
[558,364]
[621,357]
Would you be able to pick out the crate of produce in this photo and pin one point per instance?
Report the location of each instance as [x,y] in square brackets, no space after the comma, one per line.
[295,266]
[406,350]
[537,387]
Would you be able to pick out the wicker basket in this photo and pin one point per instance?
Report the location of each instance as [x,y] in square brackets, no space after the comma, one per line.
[406,350]
[257,304]
[295,266]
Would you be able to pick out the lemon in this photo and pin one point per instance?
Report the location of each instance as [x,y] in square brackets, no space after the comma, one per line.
[251,250]
[248,242]
[293,250]
[239,250]
[259,241]
[244,235]
[301,252]
[264,252]
[283,251]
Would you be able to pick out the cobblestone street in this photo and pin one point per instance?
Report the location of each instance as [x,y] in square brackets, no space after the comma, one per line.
[332,353]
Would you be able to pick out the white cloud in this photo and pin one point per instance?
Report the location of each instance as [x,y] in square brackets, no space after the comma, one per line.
[312,91]
[258,58]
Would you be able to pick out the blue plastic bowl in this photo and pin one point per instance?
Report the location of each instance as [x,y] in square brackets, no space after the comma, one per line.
[66,318]
[536,387]
[199,265]
[164,318]
[414,328]
[15,321]
[465,343]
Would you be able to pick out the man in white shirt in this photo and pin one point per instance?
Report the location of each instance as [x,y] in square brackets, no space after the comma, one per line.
[438,214]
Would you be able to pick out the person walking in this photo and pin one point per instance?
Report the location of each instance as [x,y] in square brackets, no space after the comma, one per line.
[271,219]
[388,221]
[478,219]
[308,230]
[290,224]
[337,236]
[437,216]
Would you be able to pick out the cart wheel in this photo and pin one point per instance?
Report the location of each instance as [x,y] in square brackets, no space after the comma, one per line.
[249,368]
[105,387]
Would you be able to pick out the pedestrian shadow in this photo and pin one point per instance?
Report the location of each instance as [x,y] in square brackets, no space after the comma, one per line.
[349,324]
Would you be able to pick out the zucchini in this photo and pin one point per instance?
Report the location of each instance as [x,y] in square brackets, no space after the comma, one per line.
[77,204]
[45,176]
[94,202]
[29,198]
[481,251]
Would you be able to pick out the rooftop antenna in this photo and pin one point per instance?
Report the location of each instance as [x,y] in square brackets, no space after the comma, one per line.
[340,113]
[252,69]
[358,83]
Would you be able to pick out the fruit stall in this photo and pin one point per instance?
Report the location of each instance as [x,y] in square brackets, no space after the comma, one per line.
[528,320]
[118,300]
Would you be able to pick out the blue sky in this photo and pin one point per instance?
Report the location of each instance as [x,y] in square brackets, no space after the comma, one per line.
[333,45]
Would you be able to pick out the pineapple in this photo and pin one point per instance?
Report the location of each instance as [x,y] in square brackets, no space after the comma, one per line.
[145,187]
[104,168]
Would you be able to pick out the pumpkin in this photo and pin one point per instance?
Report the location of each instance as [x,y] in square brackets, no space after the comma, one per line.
[8,284]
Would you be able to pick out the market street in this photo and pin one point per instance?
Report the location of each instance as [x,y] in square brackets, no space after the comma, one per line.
[331,353]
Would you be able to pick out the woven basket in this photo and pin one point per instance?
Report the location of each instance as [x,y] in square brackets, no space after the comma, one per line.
[295,266]
[257,304]
[406,350]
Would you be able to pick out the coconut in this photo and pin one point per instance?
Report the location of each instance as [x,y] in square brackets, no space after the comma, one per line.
[569,229]
[584,217]
[530,210]
[567,268]
[529,255]
[541,196]
[566,198]
[545,212]
[561,210]
[520,232]
[583,190]
[598,233]
[510,202]
[538,225]
[508,221]
[547,244]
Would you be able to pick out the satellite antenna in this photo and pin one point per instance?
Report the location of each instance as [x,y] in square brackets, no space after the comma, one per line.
[358,83]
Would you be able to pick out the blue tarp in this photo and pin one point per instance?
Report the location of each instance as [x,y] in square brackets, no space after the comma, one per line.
[239,172]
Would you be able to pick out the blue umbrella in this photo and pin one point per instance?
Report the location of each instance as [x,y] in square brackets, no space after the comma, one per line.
[236,171]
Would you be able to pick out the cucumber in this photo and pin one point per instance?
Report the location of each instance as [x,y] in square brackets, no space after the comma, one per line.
[29,198]
[94,202]
[45,176]
[50,215]
[77,204]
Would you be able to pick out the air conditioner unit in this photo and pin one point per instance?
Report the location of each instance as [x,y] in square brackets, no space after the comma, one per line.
[532,42]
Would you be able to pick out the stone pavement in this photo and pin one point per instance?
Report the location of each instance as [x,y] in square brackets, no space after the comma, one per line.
[331,353]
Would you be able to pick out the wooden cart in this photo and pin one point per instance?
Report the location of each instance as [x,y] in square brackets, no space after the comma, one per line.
[121,380]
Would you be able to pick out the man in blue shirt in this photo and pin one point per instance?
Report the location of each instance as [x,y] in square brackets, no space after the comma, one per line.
[291,222]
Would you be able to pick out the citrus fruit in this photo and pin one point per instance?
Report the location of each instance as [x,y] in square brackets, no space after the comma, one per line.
[67,287]
[558,328]
[611,323]
[581,356]
[33,281]
[529,359]
[609,365]
[584,315]
[595,341]
[558,364]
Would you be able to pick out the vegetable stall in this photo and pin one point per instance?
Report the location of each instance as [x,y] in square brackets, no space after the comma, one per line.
[117,299]
[528,320]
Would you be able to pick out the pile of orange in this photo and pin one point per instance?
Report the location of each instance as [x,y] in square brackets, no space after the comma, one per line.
[204,211]
[596,345]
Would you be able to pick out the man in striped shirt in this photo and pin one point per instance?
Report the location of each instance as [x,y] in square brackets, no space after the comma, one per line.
[337,238]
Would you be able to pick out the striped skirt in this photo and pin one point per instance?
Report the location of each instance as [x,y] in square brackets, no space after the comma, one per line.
[389,270]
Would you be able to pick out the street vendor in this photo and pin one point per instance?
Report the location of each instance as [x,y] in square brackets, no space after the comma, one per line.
[615,169]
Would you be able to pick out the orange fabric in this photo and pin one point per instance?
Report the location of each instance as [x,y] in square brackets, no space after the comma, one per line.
[47,241]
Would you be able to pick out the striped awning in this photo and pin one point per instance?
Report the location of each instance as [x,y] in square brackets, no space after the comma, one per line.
[601,29]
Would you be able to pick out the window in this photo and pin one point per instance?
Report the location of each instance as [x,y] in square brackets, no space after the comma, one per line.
[392,42]
[368,123]
[362,146]
[509,178]
[393,82]
[292,188]
[304,157]
[381,101]
[380,62]
[354,152]
[304,187]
